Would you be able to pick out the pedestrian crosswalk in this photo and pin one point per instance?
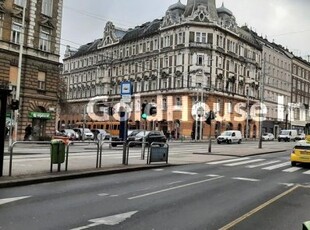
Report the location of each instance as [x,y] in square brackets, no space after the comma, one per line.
[262,163]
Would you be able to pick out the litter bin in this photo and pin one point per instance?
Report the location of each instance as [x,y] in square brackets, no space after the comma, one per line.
[58,149]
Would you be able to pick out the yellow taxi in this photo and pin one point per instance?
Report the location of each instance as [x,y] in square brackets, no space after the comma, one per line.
[301,152]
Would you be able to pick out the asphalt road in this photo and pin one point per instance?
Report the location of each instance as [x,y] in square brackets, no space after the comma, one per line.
[240,193]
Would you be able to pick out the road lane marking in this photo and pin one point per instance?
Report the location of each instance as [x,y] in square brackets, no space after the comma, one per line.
[109,220]
[212,175]
[244,162]
[158,170]
[173,188]
[292,169]
[245,179]
[277,166]
[227,161]
[103,194]
[287,184]
[262,164]
[185,173]
[307,172]
[240,219]
[8,200]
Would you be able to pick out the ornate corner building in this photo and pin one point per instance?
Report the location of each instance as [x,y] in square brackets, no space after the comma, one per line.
[196,52]
[40,60]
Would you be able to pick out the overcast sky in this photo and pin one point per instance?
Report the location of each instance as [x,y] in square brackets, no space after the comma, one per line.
[286,22]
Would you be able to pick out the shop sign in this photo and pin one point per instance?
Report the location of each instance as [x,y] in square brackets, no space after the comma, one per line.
[39,115]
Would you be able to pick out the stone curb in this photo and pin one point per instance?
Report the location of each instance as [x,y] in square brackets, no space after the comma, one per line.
[37,179]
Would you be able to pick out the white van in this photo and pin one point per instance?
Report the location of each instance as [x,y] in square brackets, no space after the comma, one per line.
[231,136]
[287,135]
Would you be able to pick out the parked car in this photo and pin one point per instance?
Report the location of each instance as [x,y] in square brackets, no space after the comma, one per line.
[101,132]
[133,132]
[267,137]
[287,135]
[88,135]
[300,153]
[231,136]
[150,137]
[70,133]
[301,136]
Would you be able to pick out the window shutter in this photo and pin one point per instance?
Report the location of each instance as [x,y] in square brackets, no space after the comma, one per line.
[191,36]
[210,38]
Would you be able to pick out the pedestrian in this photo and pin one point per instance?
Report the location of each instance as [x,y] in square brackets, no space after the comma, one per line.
[28,132]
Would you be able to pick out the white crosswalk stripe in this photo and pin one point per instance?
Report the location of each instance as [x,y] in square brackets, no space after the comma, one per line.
[277,166]
[270,164]
[227,161]
[262,164]
[244,162]
[307,172]
[292,169]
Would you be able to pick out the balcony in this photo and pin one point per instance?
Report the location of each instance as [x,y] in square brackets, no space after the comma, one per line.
[200,45]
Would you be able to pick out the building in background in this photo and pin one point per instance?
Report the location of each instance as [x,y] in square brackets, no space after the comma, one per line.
[194,53]
[278,80]
[40,60]
[299,109]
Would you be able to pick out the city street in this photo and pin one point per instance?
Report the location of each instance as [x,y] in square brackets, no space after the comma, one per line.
[256,192]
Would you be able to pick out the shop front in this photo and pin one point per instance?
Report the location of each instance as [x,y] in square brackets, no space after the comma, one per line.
[39,120]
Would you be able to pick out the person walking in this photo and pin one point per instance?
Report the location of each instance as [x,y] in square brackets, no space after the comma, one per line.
[28,132]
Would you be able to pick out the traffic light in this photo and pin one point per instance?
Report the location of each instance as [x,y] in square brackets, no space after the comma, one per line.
[15,104]
[111,112]
[143,111]
[209,117]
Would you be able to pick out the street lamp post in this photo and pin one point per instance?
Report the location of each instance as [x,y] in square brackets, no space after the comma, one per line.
[18,83]
[247,115]
[84,122]
[201,115]
[262,81]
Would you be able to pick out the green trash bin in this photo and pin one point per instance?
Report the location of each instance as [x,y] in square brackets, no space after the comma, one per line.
[58,149]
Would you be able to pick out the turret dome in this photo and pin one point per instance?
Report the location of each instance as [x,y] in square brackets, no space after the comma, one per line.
[224,10]
[177,6]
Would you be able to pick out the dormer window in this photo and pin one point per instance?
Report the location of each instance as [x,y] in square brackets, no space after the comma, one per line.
[47,7]
[19,2]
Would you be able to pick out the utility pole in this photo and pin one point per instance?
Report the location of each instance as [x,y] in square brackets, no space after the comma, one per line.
[262,81]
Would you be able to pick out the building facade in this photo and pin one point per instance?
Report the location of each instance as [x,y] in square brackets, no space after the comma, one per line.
[40,60]
[299,109]
[196,52]
[277,85]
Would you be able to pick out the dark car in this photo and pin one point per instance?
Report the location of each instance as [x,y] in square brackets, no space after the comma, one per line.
[150,137]
[118,141]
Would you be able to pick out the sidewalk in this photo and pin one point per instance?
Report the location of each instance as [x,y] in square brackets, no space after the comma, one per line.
[38,167]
